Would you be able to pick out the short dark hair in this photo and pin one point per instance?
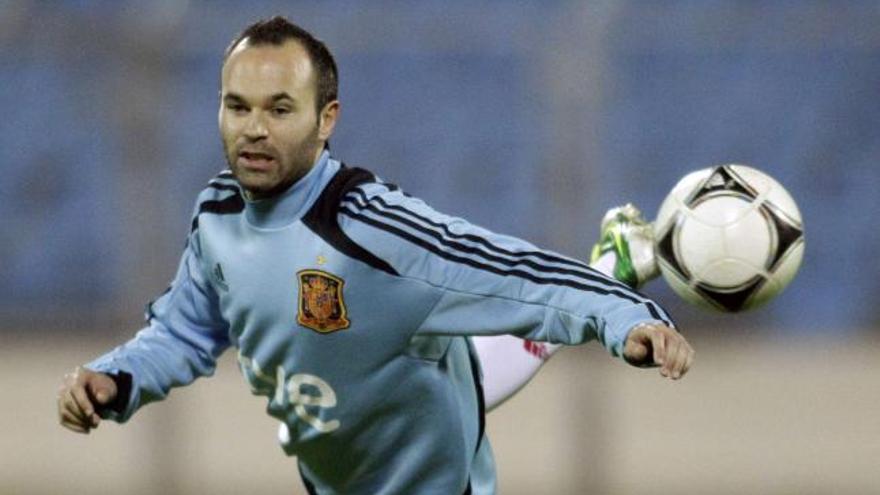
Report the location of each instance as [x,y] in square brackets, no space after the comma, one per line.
[276,31]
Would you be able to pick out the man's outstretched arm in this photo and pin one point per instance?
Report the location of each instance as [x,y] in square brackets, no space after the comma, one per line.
[184,336]
[624,251]
[489,284]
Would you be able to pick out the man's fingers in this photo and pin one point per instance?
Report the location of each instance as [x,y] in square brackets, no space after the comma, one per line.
[679,358]
[65,394]
[68,416]
[85,405]
[71,422]
[83,412]
[689,359]
[658,343]
[75,427]
[687,352]
[73,406]
[669,357]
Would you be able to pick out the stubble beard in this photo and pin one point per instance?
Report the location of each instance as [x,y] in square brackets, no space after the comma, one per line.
[303,159]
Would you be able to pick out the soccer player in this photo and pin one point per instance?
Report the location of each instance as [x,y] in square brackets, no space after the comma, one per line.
[351,303]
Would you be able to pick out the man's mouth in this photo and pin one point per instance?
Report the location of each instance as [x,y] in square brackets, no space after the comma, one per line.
[255,160]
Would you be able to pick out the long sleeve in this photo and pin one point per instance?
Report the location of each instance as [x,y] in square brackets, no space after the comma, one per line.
[490,284]
[184,336]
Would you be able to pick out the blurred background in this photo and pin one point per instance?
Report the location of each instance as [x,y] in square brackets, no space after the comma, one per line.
[549,112]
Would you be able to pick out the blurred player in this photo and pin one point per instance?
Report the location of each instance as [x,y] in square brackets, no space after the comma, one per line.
[351,303]
[625,251]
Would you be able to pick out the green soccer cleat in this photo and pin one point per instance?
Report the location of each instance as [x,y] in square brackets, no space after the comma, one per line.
[625,249]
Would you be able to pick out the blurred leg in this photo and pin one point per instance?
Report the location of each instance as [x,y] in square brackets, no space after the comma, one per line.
[625,250]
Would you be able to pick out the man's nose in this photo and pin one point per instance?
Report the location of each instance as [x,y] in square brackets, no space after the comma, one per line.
[256,127]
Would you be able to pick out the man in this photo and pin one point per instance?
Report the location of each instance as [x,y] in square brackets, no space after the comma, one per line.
[350,302]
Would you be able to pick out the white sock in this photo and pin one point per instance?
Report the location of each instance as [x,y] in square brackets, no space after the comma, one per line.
[605,263]
[509,362]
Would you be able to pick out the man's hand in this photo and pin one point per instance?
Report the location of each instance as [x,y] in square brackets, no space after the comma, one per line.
[79,396]
[654,344]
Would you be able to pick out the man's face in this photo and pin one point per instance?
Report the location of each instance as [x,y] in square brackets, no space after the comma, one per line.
[271,131]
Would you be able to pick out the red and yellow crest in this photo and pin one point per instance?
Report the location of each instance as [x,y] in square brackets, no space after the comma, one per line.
[321,307]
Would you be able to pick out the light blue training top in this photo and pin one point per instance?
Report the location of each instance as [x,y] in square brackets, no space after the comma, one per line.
[350,304]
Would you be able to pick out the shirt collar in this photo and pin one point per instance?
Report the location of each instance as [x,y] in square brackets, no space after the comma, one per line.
[289,206]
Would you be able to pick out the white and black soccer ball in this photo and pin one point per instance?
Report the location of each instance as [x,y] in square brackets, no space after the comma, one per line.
[728,238]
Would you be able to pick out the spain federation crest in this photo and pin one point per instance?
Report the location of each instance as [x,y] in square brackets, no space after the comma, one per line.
[321,307]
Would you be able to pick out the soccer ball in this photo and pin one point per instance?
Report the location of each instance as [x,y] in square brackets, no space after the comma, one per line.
[728,238]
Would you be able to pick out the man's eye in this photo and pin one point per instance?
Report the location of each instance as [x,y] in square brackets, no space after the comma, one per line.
[236,107]
[281,111]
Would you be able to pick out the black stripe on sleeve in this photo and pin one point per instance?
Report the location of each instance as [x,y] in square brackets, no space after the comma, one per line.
[221,186]
[546,256]
[581,270]
[499,271]
[226,206]
[322,217]
[231,204]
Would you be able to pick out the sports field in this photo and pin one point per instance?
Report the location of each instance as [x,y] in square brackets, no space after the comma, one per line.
[753,417]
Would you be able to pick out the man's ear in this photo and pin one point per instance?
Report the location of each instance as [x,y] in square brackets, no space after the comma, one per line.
[327,120]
